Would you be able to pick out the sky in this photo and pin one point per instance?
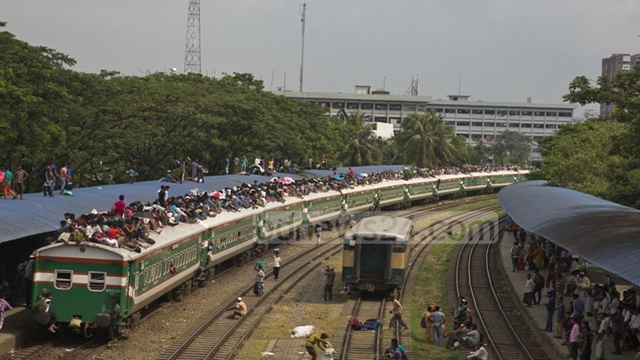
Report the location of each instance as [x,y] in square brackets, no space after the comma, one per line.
[493,50]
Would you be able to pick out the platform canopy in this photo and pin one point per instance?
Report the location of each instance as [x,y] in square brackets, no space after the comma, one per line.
[603,233]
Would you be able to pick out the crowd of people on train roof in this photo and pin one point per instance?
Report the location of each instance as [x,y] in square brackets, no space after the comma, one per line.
[581,312]
[129,225]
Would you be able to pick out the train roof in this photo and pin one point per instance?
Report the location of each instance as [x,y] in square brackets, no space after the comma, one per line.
[381,226]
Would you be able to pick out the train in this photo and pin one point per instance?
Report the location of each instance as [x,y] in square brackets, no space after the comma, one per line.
[376,253]
[87,279]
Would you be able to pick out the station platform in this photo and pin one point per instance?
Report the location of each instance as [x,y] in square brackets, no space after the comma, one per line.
[538,313]
[17,329]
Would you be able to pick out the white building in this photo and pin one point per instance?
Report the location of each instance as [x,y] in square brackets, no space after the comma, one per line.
[474,120]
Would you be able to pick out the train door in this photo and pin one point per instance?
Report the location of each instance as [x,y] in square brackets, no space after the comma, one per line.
[373,262]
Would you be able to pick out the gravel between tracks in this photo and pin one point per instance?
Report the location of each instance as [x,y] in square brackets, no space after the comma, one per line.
[174,319]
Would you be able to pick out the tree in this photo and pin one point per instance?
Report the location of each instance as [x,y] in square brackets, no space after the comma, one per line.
[362,148]
[511,148]
[579,157]
[481,152]
[425,140]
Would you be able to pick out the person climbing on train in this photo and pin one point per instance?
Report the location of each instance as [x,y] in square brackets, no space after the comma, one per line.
[43,306]
[316,339]
[258,287]
[239,310]
[397,314]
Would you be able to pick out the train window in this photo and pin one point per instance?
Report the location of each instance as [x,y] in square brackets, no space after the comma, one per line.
[63,280]
[97,281]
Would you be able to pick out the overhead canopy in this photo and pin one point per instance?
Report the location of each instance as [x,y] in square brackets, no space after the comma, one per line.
[601,232]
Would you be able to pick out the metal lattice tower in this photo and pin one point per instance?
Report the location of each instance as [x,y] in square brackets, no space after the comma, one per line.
[304,12]
[413,89]
[192,48]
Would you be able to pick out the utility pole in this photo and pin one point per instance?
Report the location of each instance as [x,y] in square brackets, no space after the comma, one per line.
[192,47]
[304,13]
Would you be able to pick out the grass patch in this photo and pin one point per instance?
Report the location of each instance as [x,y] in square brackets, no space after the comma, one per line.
[430,288]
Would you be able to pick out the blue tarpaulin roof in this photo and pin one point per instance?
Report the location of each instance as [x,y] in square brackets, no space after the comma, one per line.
[37,214]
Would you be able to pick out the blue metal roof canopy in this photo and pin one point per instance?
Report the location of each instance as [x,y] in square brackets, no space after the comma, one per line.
[601,232]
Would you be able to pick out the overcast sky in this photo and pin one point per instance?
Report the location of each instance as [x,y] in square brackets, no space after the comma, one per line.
[503,50]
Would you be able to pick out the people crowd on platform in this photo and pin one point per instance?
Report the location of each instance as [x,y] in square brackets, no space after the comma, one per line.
[584,313]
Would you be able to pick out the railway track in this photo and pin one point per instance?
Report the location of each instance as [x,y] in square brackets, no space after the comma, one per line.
[498,316]
[88,350]
[363,344]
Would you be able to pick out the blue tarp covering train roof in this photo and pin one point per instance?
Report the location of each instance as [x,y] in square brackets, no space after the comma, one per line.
[601,232]
[38,215]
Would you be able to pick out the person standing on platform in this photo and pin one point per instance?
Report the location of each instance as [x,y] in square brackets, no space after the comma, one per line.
[574,339]
[602,334]
[528,291]
[276,264]
[559,317]
[551,308]
[515,253]
[4,305]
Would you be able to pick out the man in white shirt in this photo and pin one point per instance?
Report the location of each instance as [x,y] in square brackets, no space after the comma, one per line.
[479,354]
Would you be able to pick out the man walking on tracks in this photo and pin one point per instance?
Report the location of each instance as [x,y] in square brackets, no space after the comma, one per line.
[328,286]
[397,314]
[437,318]
[316,339]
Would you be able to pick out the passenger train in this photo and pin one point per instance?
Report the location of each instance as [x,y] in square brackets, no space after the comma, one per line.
[86,279]
[377,252]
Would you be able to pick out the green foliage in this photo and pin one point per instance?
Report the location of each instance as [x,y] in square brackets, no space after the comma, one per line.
[511,148]
[361,147]
[425,140]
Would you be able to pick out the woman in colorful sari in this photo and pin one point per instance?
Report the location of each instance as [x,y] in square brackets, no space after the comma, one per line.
[539,259]
[521,258]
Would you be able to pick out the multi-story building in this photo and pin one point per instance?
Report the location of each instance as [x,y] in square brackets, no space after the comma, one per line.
[474,120]
[614,64]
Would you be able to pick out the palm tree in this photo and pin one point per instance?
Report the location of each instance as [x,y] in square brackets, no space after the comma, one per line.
[363,147]
[425,140]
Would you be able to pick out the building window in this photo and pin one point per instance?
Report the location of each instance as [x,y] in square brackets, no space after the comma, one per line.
[476,137]
[526,113]
[552,113]
[463,135]
[450,123]
[501,124]
[409,107]
[565,114]
[502,112]
[476,123]
[488,138]
[489,112]
[395,107]
[550,126]
[422,108]
[514,113]
[394,120]
[366,106]
[514,125]
[538,126]
[464,111]
[381,106]
[449,111]
[63,279]
[337,105]
[528,126]
[463,123]
[538,113]
[488,124]
[97,281]
[381,119]
[324,104]
[476,111]
[353,106]
[438,110]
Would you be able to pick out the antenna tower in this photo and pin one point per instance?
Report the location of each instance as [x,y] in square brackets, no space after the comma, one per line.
[192,48]
[413,89]
[304,14]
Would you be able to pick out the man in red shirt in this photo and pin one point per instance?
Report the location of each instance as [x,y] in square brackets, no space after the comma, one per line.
[119,206]
[114,233]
